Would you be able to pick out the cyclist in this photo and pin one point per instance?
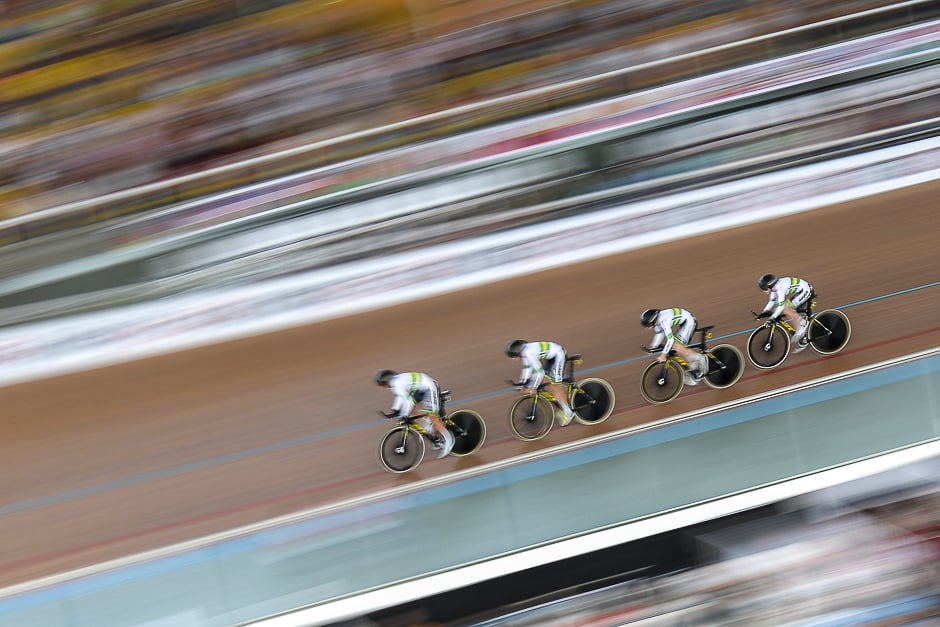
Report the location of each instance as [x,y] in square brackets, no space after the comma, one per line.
[673,329]
[410,389]
[542,360]
[785,295]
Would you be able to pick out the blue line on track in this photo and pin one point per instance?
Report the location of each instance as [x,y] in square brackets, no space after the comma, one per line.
[630,360]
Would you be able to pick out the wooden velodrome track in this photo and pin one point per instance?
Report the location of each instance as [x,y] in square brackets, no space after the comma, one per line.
[106,463]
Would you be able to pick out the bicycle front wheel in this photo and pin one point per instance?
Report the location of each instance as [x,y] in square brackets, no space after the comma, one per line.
[592,401]
[768,346]
[531,418]
[725,366]
[401,450]
[469,431]
[661,382]
[829,331]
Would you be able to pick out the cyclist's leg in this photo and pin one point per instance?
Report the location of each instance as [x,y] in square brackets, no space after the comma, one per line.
[793,316]
[698,362]
[444,438]
[431,407]
[555,372]
[799,323]
[560,393]
[695,369]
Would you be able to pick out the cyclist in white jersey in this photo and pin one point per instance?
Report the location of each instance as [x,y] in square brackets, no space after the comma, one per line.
[673,329]
[785,294]
[410,389]
[541,360]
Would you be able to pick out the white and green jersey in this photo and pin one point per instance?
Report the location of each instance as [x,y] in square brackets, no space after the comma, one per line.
[672,325]
[787,288]
[539,359]
[411,388]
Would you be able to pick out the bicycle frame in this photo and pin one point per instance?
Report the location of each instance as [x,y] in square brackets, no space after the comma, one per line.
[701,346]
[805,311]
[411,425]
[827,332]
[724,368]
[567,381]
[785,324]
[403,446]
[590,400]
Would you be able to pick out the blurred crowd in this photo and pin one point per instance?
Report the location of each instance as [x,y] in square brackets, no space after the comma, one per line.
[98,96]
[879,566]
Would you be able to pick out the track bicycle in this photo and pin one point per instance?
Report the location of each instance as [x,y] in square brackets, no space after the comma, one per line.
[532,416]
[403,447]
[770,343]
[663,381]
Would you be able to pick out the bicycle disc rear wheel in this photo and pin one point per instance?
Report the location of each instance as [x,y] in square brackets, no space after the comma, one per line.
[401,450]
[661,382]
[592,401]
[531,418]
[725,366]
[469,431]
[768,346]
[829,331]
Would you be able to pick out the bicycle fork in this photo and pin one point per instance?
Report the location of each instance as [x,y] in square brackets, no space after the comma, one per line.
[400,449]
[769,344]
[532,408]
[662,372]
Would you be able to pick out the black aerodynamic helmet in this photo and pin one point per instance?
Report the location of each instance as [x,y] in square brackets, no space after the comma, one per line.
[767,281]
[382,377]
[648,317]
[514,348]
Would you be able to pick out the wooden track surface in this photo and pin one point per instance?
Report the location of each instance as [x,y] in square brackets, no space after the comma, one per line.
[118,460]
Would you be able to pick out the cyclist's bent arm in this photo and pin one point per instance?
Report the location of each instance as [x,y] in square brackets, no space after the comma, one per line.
[403,403]
[775,304]
[531,375]
[666,339]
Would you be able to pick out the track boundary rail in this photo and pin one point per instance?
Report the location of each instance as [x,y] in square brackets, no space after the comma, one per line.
[461,577]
